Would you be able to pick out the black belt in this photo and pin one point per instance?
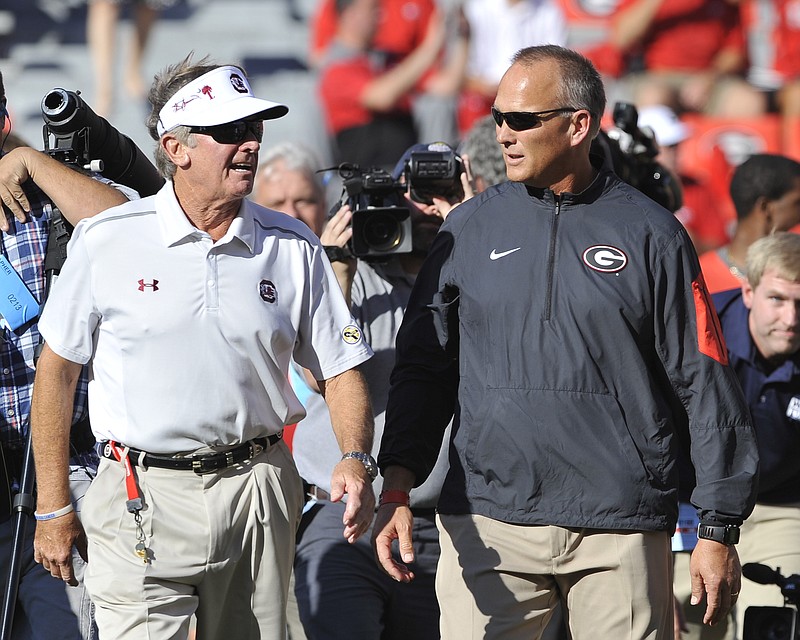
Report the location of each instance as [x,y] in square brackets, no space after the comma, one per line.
[200,463]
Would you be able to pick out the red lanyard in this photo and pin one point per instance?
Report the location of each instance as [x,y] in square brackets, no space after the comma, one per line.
[134,502]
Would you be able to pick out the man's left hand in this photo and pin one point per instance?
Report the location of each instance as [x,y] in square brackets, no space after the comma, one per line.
[351,478]
[717,575]
[52,546]
[13,173]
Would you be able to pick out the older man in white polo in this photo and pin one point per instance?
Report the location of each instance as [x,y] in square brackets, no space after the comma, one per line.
[188,307]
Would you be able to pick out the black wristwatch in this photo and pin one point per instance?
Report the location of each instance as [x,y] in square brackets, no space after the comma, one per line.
[724,533]
[367,460]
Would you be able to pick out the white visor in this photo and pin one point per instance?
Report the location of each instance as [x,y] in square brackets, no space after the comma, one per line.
[220,96]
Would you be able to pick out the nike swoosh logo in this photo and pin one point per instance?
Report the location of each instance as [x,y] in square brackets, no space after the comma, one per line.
[495,255]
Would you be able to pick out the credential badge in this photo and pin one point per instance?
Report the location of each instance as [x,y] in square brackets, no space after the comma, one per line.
[793,410]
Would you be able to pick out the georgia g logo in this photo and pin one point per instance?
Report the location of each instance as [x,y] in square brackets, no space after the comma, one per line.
[605,258]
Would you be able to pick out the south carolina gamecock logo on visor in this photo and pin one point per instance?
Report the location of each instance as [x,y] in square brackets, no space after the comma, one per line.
[238,83]
[351,334]
[605,258]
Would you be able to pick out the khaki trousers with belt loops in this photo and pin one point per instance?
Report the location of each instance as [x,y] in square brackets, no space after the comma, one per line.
[220,546]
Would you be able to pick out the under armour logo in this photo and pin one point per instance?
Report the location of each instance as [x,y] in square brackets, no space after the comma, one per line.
[152,285]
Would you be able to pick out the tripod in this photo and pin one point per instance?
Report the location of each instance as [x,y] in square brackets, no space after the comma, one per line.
[25,502]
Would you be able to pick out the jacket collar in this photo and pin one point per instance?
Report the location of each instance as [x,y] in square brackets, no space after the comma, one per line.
[602,182]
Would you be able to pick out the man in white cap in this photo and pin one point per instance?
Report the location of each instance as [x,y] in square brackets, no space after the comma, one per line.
[701,213]
[188,306]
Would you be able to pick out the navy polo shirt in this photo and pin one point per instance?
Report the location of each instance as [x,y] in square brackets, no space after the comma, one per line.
[773,396]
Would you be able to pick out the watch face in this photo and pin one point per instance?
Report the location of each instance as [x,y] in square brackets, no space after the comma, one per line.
[367,460]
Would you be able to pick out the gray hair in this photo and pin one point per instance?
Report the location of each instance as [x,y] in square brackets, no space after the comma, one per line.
[485,153]
[295,157]
[581,84]
[165,85]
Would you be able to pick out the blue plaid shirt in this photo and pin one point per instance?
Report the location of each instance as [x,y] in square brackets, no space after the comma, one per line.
[24,246]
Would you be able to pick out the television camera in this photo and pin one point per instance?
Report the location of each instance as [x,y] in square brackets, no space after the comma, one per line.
[381,220]
[632,152]
[773,623]
[85,140]
[434,171]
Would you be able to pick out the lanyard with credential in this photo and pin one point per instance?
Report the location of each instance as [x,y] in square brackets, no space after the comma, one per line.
[17,305]
[134,503]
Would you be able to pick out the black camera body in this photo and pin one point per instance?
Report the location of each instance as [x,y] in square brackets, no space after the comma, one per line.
[85,140]
[381,222]
[773,623]
[434,173]
[632,152]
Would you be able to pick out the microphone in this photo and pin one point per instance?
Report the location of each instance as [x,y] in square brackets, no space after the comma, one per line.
[762,574]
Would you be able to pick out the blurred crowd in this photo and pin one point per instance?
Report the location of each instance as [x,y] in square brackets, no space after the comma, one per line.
[715,80]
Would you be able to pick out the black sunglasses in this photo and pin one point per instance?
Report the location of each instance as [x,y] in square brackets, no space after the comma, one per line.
[233,132]
[524,120]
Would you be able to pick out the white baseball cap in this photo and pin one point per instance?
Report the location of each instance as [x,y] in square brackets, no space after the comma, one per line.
[666,126]
[220,96]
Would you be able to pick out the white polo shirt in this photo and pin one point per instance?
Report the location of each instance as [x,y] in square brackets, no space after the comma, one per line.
[188,340]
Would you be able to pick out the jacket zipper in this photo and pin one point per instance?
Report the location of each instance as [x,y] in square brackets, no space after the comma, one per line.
[551,261]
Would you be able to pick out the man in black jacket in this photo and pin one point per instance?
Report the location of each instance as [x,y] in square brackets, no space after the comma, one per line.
[563,319]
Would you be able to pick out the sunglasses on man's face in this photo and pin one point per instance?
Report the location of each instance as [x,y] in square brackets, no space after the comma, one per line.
[524,120]
[233,132]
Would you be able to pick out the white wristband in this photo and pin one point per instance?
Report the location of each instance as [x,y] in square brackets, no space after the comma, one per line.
[54,514]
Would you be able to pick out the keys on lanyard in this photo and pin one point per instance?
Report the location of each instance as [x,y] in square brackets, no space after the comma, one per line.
[135,502]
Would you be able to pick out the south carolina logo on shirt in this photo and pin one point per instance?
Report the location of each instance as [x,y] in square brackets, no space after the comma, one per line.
[267,291]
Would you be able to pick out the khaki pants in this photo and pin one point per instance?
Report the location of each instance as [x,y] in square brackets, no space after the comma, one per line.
[221,546]
[502,581]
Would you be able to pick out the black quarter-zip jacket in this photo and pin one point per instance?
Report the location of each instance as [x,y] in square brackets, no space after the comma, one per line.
[572,339]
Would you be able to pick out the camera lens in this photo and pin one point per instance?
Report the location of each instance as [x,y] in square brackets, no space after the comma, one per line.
[382,232]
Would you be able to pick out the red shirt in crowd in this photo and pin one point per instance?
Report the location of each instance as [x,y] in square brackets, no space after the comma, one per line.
[686,35]
[717,273]
[787,38]
[707,222]
[401,29]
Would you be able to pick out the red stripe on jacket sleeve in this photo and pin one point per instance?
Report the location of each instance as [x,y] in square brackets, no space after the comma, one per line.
[710,340]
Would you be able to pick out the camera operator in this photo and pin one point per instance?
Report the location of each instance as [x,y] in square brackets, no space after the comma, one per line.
[31,184]
[341,593]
